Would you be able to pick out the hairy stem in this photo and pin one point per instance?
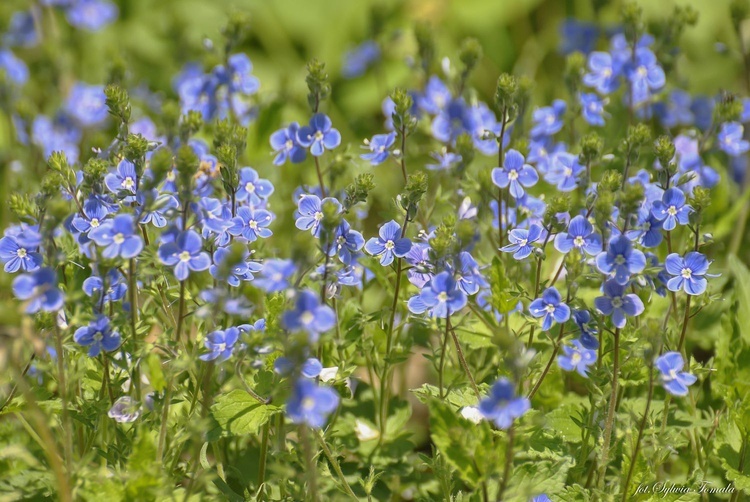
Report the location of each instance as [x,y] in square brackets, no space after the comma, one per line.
[609,424]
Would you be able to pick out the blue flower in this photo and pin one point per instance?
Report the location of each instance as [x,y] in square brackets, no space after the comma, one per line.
[116,287]
[731,139]
[40,288]
[98,336]
[123,179]
[216,219]
[357,60]
[389,244]
[674,380]
[239,76]
[19,254]
[645,75]
[582,319]
[310,404]
[521,240]
[319,136]
[676,110]
[309,315]
[551,307]
[468,277]
[14,68]
[648,229]
[286,146]
[275,275]
[378,147]
[436,96]
[185,254]
[671,209]
[91,15]
[310,212]
[86,104]
[220,344]
[502,406]
[617,304]
[577,357]
[445,160]
[250,224]
[548,120]
[592,108]
[440,296]
[515,173]
[58,135]
[118,236]
[603,73]
[580,236]
[94,212]
[688,272]
[242,270]
[154,207]
[620,260]
[577,36]
[346,243]
[252,188]
[311,368]
[21,30]
[564,171]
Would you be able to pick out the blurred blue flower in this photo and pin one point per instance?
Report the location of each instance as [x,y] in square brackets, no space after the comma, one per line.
[502,406]
[91,15]
[582,319]
[576,357]
[674,380]
[604,73]
[359,59]
[309,316]
[731,139]
[577,36]
[220,344]
[346,243]
[15,69]
[564,171]
[445,160]
[548,120]
[275,275]
[309,212]
[648,229]
[21,30]
[233,273]
[40,289]
[645,75]
[125,410]
[592,108]
[311,404]
[86,104]
[98,336]
[113,290]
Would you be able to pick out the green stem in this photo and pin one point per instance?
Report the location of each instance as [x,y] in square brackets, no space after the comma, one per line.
[263,457]
[62,389]
[549,363]
[335,464]
[508,463]
[641,427]
[441,366]
[133,293]
[609,424]
[461,358]
[310,467]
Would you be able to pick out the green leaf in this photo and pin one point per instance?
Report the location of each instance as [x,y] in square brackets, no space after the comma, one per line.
[155,373]
[467,447]
[238,413]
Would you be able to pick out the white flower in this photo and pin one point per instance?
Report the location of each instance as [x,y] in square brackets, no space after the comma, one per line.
[471,413]
[328,374]
[365,432]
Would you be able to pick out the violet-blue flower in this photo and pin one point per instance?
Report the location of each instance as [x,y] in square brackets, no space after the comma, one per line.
[550,307]
[118,237]
[252,188]
[379,148]
[521,241]
[251,224]
[671,209]
[576,357]
[514,173]
[440,296]
[220,344]
[620,260]
[309,316]
[319,136]
[688,272]
[390,243]
[286,145]
[731,139]
[98,336]
[580,236]
[309,212]
[185,254]
[275,275]
[502,406]
[311,404]
[40,289]
[617,303]
[674,380]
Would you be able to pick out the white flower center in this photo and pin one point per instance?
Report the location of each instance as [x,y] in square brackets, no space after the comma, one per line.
[686,273]
[617,302]
[549,308]
[118,238]
[308,403]
[21,253]
[318,216]
[523,242]
[642,71]
[607,72]
[98,336]
[389,245]
[619,259]
[442,297]
[318,136]
[289,144]
[306,317]
[513,175]
[249,187]
[94,222]
[672,210]
[575,358]
[252,224]
[568,172]
[185,256]
[578,241]
[128,183]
